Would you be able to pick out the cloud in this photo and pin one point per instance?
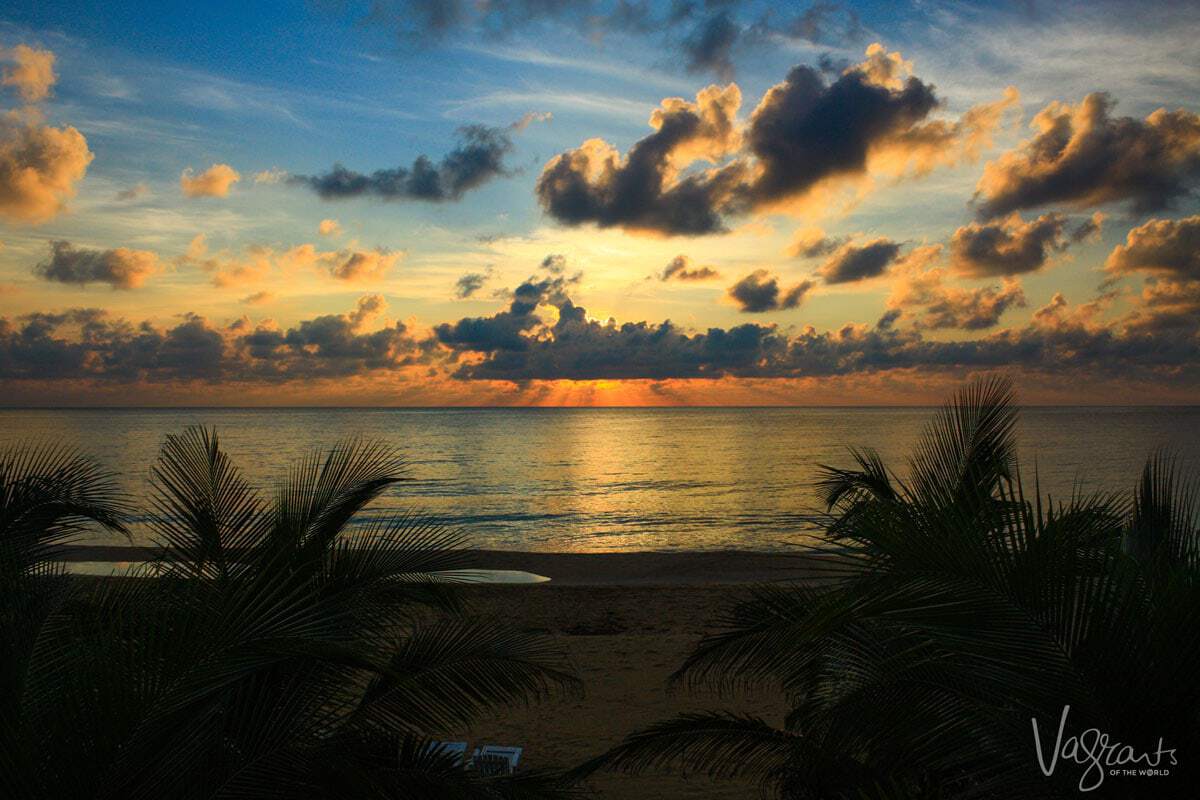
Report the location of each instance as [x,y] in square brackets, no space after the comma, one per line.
[812,242]
[90,345]
[329,227]
[704,34]
[120,268]
[531,117]
[135,192]
[710,45]
[368,308]
[39,164]
[503,331]
[32,73]
[555,263]
[364,265]
[270,176]
[1090,228]
[680,269]
[1156,344]
[759,291]
[478,158]
[643,191]
[1082,156]
[857,262]
[257,299]
[470,283]
[227,269]
[573,347]
[1007,246]
[922,296]
[257,262]
[1165,247]
[39,167]
[805,134]
[1166,308]
[213,182]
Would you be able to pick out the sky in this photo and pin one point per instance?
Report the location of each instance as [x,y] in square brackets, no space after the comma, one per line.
[524,202]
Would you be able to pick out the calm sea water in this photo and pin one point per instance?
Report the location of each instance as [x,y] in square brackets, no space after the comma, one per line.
[615,479]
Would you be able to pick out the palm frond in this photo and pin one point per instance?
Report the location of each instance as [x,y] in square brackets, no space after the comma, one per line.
[208,516]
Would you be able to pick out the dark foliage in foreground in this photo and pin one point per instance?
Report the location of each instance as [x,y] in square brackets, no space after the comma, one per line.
[281,653]
[963,608]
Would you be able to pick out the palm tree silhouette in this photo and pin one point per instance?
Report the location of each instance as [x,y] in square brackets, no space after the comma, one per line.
[957,611]
[279,651]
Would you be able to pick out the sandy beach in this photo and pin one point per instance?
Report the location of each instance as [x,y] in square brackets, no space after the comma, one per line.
[627,620]
[624,641]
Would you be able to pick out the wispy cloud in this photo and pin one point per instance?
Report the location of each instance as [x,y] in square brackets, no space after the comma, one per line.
[642,76]
[601,104]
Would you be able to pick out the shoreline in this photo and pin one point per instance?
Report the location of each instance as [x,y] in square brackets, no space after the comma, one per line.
[640,568]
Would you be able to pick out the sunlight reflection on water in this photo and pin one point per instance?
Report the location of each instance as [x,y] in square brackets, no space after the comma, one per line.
[613,479]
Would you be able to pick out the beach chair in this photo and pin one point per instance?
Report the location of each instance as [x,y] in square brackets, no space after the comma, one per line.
[455,750]
[495,759]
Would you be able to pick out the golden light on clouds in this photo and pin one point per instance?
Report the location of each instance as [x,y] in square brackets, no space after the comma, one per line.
[213,182]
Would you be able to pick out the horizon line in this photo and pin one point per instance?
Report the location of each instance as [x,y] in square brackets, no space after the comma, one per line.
[646,407]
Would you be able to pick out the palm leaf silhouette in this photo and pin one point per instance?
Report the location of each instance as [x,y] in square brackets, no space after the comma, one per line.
[278,649]
[962,609]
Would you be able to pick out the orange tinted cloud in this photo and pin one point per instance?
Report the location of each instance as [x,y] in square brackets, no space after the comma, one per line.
[922,296]
[361,265]
[120,268]
[806,140]
[1165,247]
[39,167]
[1084,156]
[257,262]
[32,73]
[1007,246]
[213,182]
[257,299]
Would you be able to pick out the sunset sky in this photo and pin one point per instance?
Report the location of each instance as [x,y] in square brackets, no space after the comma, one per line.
[597,203]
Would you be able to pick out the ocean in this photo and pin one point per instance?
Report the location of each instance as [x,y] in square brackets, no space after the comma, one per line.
[585,480]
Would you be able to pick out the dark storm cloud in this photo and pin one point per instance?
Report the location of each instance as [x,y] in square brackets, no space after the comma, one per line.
[120,268]
[680,268]
[1008,246]
[1083,156]
[88,344]
[478,158]
[803,132]
[759,291]
[859,262]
